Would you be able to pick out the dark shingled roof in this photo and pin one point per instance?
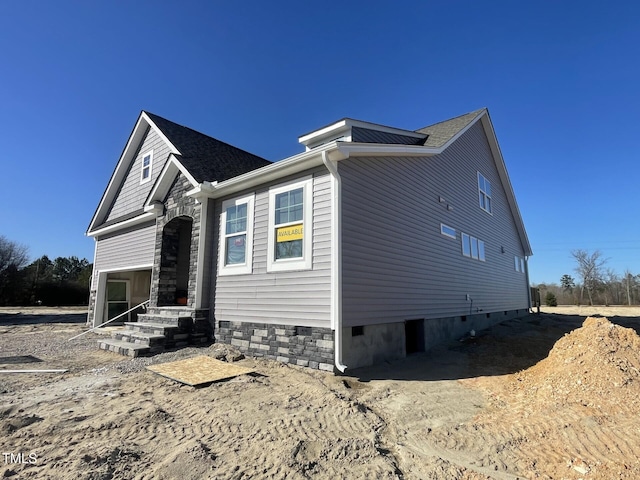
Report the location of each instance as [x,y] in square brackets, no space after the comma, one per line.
[440,133]
[205,157]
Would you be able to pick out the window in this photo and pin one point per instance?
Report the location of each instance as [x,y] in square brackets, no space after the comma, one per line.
[466,245]
[236,236]
[447,230]
[147,163]
[290,224]
[472,247]
[484,192]
[519,264]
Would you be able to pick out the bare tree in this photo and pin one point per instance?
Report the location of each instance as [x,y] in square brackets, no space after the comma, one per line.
[612,286]
[629,283]
[12,254]
[13,257]
[590,269]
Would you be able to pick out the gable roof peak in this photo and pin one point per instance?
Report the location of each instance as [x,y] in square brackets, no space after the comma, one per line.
[206,158]
[442,132]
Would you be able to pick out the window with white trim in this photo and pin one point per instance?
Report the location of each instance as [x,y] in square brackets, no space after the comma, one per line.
[447,231]
[484,193]
[147,165]
[473,247]
[290,226]
[519,264]
[236,236]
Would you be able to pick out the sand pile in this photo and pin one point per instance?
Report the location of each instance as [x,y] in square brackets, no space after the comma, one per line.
[596,366]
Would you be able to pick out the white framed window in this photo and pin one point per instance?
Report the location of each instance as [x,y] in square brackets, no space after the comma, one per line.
[473,247]
[522,264]
[447,231]
[519,264]
[484,193]
[290,226]
[466,245]
[236,236]
[147,165]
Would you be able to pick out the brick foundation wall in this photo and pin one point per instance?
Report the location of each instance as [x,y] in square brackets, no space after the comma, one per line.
[311,347]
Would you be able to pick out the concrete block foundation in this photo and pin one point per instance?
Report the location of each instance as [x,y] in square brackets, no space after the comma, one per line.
[372,344]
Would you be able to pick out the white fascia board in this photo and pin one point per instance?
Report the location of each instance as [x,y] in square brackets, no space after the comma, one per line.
[290,166]
[506,182]
[336,151]
[150,122]
[384,150]
[165,180]
[137,135]
[325,131]
[142,218]
[348,123]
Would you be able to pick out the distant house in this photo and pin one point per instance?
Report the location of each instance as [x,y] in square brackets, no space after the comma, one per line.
[373,243]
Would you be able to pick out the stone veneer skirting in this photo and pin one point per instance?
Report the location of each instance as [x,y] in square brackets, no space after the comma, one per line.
[311,347]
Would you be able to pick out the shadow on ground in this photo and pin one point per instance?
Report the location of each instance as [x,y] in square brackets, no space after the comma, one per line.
[33,319]
[503,349]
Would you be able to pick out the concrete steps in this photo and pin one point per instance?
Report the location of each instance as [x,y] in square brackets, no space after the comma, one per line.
[160,329]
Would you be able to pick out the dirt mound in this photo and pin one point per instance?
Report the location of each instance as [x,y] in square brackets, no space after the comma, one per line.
[596,366]
[572,415]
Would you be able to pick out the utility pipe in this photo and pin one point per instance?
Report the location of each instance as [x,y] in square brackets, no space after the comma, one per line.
[336,259]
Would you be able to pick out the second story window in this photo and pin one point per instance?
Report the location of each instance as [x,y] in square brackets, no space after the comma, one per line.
[484,193]
[147,163]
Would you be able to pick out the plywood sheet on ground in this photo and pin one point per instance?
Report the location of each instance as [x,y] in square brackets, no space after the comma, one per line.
[198,370]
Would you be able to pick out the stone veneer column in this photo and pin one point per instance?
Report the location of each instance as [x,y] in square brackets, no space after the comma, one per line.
[177,204]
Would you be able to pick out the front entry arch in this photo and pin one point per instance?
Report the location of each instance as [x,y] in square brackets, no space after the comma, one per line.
[175,262]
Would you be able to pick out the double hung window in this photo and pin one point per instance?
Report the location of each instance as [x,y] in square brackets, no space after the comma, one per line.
[290,226]
[147,164]
[236,236]
[484,193]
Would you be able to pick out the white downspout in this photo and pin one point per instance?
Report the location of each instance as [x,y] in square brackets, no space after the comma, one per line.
[336,259]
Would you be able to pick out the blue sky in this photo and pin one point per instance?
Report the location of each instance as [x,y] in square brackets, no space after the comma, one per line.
[560,80]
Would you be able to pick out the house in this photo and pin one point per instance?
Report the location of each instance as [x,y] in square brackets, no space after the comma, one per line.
[373,243]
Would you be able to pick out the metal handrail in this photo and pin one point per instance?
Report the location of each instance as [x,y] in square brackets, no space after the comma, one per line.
[109,321]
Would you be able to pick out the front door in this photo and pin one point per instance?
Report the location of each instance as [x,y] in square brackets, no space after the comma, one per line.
[117,299]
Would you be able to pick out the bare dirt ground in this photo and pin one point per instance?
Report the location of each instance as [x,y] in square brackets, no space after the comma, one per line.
[540,397]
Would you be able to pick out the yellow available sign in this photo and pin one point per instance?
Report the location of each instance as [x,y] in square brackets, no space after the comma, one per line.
[288,234]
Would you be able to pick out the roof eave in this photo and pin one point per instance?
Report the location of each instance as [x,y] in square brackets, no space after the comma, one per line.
[136,136]
[506,182]
[142,218]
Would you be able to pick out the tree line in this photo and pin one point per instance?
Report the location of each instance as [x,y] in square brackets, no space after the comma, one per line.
[596,284]
[61,281]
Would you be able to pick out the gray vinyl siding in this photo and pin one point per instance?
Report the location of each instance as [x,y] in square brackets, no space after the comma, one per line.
[125,249]
[365,135]
[286,298]
[132,194]
[396,263]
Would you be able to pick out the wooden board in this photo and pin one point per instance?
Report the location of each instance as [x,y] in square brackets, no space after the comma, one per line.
[198,370]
